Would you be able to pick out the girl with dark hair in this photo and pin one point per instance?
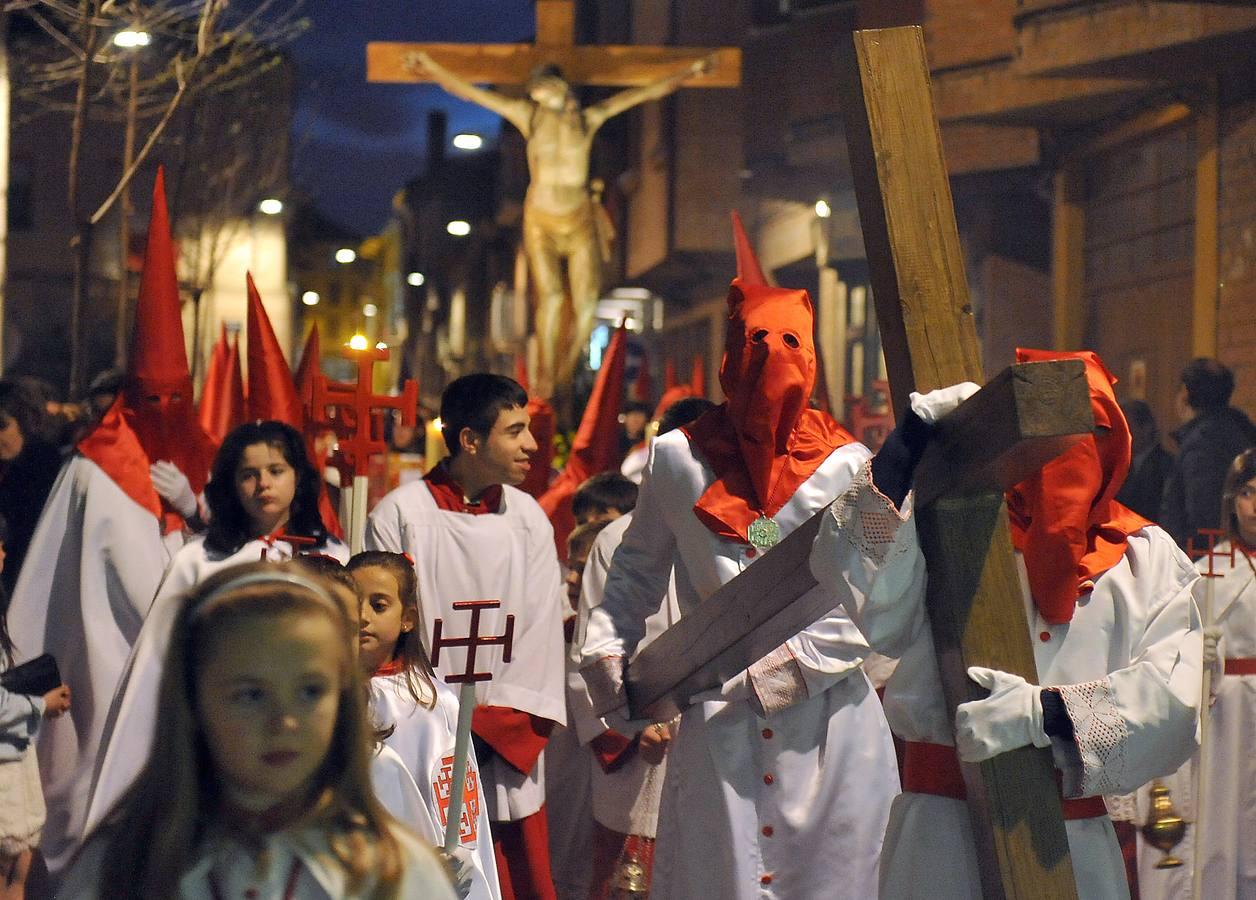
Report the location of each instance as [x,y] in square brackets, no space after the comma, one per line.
[416,713]
[259,780]
[28,468]
[262,496]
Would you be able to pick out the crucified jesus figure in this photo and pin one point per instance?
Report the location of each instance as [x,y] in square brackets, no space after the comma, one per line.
[559,216]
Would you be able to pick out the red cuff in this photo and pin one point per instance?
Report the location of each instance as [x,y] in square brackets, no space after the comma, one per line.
[517,737]
[612,749]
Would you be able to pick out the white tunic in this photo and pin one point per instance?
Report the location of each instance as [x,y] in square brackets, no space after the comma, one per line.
[1128,670]
[93,566]
[626,800]
[128,734]
[790,805]
[424,741]
[1229,852]
[396,791]
[233,870]
[507,556]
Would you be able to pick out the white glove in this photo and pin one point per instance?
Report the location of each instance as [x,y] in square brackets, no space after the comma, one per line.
[934,405]
[461,865]
[174,487]
[736,688]
[1009,718]
[1212,638]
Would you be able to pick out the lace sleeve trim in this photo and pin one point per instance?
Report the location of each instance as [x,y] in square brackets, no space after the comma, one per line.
[868,518]
[605,681]
[776,682]
[1100,735]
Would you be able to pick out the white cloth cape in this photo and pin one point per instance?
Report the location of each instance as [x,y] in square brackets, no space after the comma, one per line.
[423,740]
[321,878]
[1127,667]
[507,556]
[128,734]
[1229,851]
[626,800]
[93,566]
[818,773]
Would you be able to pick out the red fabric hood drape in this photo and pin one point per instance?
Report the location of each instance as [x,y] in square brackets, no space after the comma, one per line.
[596,445]
[763,441]
[697,378]
[304,379]
[157,393]
[1064,518]
[114,447]
[272,394]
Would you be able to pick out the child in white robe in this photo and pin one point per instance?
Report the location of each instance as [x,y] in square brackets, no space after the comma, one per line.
[263,500]
[417,715]
[258,783]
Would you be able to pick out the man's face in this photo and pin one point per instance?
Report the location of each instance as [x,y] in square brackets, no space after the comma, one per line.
[577,556]
[503,455]
[549,92]
[634,424]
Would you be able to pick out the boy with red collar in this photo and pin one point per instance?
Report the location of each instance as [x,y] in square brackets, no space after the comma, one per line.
[1117,642]
[474,536]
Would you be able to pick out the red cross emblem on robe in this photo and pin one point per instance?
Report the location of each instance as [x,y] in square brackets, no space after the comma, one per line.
[442,782]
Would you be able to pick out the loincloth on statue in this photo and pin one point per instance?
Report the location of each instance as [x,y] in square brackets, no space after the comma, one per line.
[565,233]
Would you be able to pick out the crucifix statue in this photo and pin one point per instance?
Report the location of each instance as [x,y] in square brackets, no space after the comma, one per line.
[563,224]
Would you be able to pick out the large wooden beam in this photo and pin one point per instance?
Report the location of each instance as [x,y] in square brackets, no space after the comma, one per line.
[973,148]
[999,94]
[599,65]
[1117,34]
[927,330]
[1025,416]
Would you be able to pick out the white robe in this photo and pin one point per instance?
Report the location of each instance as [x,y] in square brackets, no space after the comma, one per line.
[1229,851]
[1128,670]
[790,805]
[128,734]
[626,800]
[507,556]
[235,872]
[424,741]
[396,791]
[93,566]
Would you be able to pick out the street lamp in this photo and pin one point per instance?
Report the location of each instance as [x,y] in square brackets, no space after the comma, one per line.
[310,298]
[132,38]
[345,255]
[823,210]
[271,206]
[458,228]
[369,310]
[415,279]
[468,141]
[358,342]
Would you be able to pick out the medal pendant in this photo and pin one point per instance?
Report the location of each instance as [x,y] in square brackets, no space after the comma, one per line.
[764,533]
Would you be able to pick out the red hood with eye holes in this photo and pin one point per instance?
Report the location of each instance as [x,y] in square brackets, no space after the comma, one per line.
[763,441]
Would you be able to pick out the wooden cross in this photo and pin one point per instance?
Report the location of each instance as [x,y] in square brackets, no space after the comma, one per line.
[1021,419]
[592,64]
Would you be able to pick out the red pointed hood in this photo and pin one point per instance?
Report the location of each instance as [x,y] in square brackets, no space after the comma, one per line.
[764,440]
[697,379]
[114,447]
[595,447]
[157,394]
[643,386]
[669,374]
[308,368]
[233,396]
[213,391]
[272,394]
[1065,518]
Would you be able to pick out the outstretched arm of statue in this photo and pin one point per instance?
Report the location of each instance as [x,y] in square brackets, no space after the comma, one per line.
[514,111]
[612,106]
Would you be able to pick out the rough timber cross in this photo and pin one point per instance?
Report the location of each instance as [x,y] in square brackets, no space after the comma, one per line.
[1022,418]
[566,233]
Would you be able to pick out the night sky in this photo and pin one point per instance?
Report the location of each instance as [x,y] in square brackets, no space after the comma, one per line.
[355,144]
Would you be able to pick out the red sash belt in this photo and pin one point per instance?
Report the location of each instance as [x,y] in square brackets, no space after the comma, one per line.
[934,769]
[1240,666]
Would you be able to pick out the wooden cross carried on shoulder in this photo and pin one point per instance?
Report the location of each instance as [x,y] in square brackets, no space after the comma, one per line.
[1020,420]
[593,64]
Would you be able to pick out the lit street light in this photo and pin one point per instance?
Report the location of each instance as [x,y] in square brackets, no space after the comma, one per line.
[369,310]
[358,342]
[823,210]
[458,228]
[132,38]
[345,255]
[415,279]
[310,298]
[271,206]
[468,141]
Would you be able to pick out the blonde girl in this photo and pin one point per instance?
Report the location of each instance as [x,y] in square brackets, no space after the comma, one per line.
[258,784]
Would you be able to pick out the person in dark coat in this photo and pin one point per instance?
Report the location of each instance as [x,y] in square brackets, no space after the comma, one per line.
[1212,434]
[1150,463]
[28,468]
